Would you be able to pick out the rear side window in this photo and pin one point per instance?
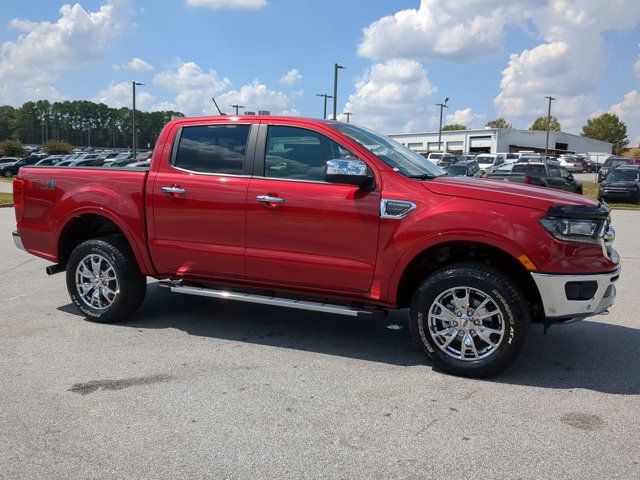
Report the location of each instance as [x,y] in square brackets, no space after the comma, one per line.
[299,154]
[213,149]
[554,171]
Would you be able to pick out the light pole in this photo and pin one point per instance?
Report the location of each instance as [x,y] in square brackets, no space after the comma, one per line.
[336,67]
[133,119]
[441,105]
[236,106]
[348,114]
[325,96]
[546,145]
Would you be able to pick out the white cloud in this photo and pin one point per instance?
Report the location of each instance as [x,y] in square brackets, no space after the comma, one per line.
[291,77]
[636,67]
[229,4]
[629,112]
[568,64]
[390,95]
[193,86]
[460,31]
[30,64]
[118,95]
[136,64]
[257,96]
[466,117]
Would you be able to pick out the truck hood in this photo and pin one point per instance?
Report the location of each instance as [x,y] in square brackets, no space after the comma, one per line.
[529,196]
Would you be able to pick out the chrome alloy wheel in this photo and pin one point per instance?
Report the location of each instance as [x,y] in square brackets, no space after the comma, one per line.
[96,282]
[466,323]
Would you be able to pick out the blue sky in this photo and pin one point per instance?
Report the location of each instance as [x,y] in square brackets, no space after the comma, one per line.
[401,56]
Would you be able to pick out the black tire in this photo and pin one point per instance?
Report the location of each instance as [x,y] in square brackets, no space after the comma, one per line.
[579,191]
[7,174]
[503,294]
[131,283]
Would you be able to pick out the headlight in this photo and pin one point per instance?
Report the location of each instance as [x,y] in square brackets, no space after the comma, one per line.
[573,230]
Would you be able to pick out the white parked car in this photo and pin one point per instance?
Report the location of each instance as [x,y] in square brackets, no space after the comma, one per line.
[571,163]
[488,162]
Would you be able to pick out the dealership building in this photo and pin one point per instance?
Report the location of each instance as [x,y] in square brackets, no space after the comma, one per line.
[501,140]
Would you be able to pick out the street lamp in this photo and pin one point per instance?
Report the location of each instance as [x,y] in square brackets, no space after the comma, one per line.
[133,118]
[441,105]
[236,106]
[348,114]
[325,96]
[336,67]
[546,145]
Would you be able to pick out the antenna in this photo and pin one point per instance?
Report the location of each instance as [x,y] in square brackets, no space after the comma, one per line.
[216,104]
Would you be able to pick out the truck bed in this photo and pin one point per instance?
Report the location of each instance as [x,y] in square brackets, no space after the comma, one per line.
[52,195]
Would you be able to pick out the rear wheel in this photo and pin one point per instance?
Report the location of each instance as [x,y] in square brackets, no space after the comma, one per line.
[8,173]
[104,281]
[469,319]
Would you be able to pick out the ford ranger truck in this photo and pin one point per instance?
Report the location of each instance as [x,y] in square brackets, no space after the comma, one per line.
[325,216]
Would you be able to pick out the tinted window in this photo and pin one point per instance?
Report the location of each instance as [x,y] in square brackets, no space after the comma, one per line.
[554,171]
[299,154]
[615,161]
[213,148]
[529,169]
[457,170]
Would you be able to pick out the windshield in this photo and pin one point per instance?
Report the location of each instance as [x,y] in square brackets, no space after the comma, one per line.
[400,158]
[622,176]
[484,160]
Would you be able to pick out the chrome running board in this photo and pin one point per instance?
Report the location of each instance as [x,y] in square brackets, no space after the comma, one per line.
[266,300]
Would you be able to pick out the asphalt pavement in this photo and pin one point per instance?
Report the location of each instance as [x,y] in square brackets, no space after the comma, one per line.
[6,187]
[201,388]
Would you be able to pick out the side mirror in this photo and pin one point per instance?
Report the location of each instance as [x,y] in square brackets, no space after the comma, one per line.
[349,171]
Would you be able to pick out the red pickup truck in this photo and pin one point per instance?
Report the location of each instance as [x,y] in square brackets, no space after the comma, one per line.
[324,216]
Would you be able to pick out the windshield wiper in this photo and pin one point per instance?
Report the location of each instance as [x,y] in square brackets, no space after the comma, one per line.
[425,176]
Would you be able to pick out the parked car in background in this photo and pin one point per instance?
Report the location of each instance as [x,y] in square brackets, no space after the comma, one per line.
[467,157]
[9,169]
[9,160]
[119,160]
[467,168]
[49,161]
[635,160]
[543,174]
[83,162]
[611,163]
[442,159]
[621,184]
[488,162]
[571,163]
[588,166]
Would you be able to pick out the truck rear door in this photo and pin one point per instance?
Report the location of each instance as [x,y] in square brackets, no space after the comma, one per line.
[199,196]
[301,230]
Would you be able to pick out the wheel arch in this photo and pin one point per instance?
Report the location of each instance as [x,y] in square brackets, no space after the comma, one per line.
[88,225]
[440,255]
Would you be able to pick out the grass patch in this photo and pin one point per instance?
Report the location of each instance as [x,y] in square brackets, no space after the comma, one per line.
[6,199]
[590,189]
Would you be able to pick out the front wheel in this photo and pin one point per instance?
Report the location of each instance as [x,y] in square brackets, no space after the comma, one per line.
[104,281]
[469,319]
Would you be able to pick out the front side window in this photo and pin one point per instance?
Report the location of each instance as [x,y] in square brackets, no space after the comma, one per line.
[213,149]
[554,171]
[299,154]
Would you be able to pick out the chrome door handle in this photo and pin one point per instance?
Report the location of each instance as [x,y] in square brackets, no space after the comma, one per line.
[173,190]
[269,199]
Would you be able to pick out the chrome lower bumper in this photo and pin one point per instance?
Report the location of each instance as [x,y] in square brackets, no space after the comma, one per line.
[558,307]
[18,241]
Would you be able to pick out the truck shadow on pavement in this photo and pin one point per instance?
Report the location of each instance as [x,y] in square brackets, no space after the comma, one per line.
[590,355]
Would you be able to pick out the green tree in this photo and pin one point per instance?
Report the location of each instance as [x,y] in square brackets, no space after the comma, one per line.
[540,123]
[609,128]
[12,148]
[454,126]
[498,123]
[57,147]
[7,121]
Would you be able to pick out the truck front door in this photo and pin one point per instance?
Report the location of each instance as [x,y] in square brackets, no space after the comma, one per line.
[302,231]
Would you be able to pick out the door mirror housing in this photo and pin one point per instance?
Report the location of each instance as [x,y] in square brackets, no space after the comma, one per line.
[350,171]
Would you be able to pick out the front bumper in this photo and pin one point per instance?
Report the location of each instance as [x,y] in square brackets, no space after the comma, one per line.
[18,241]
[559,308]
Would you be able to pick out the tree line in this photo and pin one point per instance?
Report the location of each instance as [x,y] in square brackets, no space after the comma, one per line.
[81,123]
